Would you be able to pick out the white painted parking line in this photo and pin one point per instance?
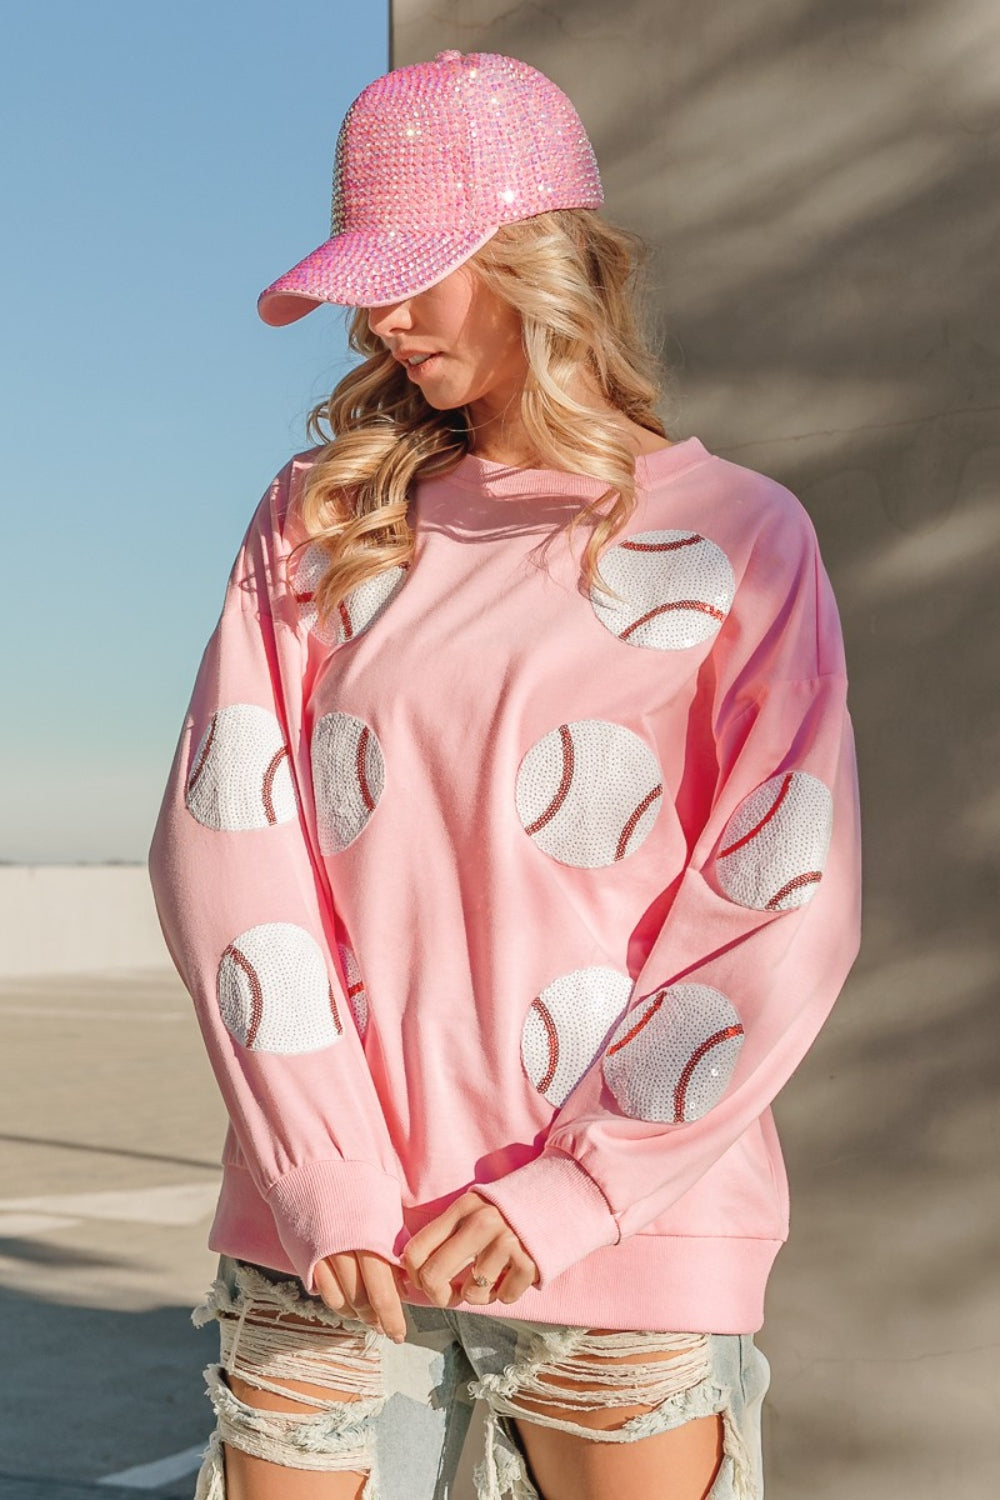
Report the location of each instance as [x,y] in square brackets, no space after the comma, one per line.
[20,1226]
[176,1203]
[150,1476]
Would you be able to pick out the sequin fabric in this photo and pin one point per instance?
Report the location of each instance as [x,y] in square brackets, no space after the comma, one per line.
[274,992]
[675,589]
[773,851]
[356,992]
[348,776]
[672,1056]
[360,609]
[589,792]
[431,159]
[566,1025]
[241,775]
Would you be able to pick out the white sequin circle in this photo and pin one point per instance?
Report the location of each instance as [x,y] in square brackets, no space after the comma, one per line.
[357,995]
[675,589]
[241,775]
[773,852]
[672,1056]
[348,778]
[567,1023]
[360,609]
[274,991]
[589,792]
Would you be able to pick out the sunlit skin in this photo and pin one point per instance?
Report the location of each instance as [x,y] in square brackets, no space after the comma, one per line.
[479,363]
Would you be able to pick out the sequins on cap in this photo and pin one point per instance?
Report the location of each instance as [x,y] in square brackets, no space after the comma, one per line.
[566,1025]
[672,1056]
[431,159]
[773,851]
[589,792]
[348,778]
[361,608]
[241,774]
[675,589]
[274,992]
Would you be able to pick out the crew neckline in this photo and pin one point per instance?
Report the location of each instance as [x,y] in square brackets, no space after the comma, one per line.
[504,480]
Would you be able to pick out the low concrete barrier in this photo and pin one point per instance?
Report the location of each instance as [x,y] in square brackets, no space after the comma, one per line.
[60,919]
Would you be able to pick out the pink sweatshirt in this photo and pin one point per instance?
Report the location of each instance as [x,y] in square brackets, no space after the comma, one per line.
[496,881]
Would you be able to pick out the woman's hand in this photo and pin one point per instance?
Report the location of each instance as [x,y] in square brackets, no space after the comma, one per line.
[361,1284]
[470,1237]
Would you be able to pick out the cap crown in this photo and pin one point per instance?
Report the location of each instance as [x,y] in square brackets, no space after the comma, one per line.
[469,141]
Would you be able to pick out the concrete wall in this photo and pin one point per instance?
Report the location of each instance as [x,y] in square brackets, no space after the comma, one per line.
[820,182]
[73,919]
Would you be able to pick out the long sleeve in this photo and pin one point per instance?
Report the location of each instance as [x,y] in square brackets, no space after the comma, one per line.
[247,916]
[760,927]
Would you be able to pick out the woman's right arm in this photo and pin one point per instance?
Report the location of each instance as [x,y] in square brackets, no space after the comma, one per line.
[241,897]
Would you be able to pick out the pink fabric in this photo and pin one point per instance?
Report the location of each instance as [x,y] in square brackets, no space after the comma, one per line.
[431,159]
[652,1191]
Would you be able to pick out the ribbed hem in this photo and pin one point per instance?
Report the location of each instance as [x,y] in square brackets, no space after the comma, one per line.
[504,481]
[664,1283]
[325,1207]
[556,1210]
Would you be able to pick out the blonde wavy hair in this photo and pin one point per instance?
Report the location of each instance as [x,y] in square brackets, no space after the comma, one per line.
[576,281]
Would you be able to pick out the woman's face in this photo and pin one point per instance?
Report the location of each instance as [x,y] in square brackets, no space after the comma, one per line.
[472,336]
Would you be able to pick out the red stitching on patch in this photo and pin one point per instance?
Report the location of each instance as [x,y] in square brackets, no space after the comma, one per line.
[553,1040]
[204,755]
[360,767]
[779,799]
[569,760]
[355,989]
[725,1035]
[268,789]
[663,609]
[809,878]
[345,620]
[333,1008]
[256,993]
[634,1031]
[632,823]
[306,598]
[686,541]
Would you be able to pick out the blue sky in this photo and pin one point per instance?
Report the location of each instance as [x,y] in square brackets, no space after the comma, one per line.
[162,163]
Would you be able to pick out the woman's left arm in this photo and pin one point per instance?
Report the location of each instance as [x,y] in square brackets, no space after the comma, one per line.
[757,942]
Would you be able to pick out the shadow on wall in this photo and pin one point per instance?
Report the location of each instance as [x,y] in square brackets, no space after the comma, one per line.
[820,186]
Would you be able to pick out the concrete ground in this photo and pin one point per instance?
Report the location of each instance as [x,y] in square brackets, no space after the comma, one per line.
[110,1129]
[882,1312]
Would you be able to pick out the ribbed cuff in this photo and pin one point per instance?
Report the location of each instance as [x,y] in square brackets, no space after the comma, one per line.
[556,1210]
[326,1207]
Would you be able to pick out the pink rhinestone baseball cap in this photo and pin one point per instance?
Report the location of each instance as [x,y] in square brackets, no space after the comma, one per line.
[431,159]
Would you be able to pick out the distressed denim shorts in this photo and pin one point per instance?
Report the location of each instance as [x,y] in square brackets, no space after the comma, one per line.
[413,1402]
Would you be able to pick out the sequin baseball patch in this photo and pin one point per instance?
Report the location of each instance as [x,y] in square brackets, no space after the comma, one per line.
[361,608]
[675,589]
[566,1024]
[772,854]
[348,777]
[673,1054]
[357,995]
[241,775]
[274,992]
[589,792]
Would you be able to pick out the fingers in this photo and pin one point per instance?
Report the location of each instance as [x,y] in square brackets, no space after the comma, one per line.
[470,1236]
[383,1295]
[360,1284]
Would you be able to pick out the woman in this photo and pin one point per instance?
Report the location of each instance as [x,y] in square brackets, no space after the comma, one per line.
[509,854]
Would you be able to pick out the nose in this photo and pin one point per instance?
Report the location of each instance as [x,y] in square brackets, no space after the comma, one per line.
[393,317]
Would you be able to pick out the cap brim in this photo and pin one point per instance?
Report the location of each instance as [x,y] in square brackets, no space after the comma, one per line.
[360,269]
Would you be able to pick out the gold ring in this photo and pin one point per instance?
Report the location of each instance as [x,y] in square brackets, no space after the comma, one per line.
[481,1280]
